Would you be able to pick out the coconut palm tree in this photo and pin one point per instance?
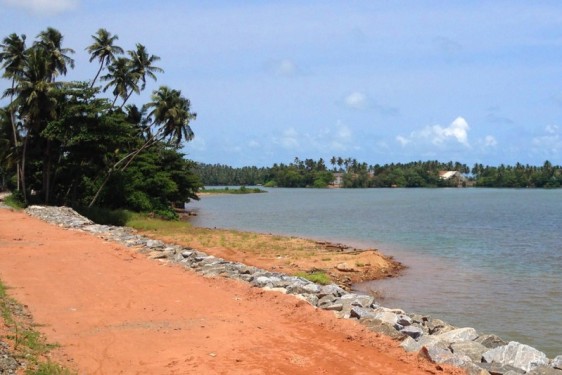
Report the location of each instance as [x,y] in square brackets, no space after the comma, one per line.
[12,58]
[57,59]
[121,77]
[171,112]
[36,104]
[103,49]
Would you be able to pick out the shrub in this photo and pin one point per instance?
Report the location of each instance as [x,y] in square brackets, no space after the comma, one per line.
[105,216]
[318,277]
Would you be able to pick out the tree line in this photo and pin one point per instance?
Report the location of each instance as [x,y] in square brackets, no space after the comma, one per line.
[350,173]
[66,142]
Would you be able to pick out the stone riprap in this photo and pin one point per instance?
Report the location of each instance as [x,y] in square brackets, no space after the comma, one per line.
[434,339]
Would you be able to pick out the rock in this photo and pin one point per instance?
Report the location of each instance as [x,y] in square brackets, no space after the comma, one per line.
[331,289]
[153,244]
[310,298]
[412,331]
[361,313]
[386,329]
[472,349]
[362,301]
[490,341]
[557,362]
[326,300]
[459,334]
[333,307]
[436,353]
[544,370]
[411,345]
[404,320]
[437,326]
[344,267]
[497,369]
[473,369]
[517,355]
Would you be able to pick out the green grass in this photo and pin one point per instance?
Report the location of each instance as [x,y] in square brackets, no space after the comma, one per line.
[29,344]
[14,201]
[317,277]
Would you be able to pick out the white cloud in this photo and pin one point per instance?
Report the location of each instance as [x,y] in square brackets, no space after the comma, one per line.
[490,141]
[402,140]
[43,7]
[254,144]
[289,139]
[284,67]
[457,131]
[551,129]
[549,145]
[356,100]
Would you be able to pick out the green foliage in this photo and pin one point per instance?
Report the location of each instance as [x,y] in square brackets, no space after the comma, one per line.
[318,277]
[105,216]
[72,147]
[15,200]
[49,368]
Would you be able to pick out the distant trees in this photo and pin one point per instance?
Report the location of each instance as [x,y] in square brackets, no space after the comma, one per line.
[355,174]
[64,144]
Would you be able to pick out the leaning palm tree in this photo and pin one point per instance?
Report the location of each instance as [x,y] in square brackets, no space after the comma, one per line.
[50,41]
[12,58]
[170,117]
[121,77]
[142,66]
[171,112]
[103,49]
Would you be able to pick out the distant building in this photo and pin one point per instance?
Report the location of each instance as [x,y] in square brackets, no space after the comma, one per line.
[454,176]
[338,180]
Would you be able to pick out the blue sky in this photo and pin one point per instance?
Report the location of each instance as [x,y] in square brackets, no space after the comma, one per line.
[380,81]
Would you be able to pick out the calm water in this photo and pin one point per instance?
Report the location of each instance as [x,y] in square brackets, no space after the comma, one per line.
[485,258]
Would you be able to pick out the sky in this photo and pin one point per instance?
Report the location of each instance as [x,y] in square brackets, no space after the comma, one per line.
[379,81]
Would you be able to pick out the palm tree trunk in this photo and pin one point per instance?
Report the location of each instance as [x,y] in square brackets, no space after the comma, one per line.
[96,77]
[15,133]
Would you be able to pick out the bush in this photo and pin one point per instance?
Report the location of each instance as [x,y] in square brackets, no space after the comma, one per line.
[317,277]
[15,200]
[105,216]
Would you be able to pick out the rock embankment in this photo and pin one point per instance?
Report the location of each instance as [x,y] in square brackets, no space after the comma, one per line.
[434,339]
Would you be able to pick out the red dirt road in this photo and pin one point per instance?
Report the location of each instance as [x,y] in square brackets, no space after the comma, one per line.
[113,311]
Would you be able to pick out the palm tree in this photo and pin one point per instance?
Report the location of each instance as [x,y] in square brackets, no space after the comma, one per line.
[170,110]
[12,57]
[103,50]
[142,65]
[171,115]
[57,57]
[121,78]
[36,105]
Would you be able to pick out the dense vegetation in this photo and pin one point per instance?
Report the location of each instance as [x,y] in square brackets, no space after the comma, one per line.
[65,142]
[349,173]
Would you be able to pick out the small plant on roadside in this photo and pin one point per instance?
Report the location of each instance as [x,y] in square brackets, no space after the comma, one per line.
[15,200]
[318,277]
[29,346]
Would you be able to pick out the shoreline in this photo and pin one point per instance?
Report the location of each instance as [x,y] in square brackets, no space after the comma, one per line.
[434,339]
[123,301]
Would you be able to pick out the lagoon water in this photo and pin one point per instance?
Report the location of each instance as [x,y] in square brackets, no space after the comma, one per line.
[484,258]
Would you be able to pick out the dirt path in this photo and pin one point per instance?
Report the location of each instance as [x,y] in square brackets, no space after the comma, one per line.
[115,312]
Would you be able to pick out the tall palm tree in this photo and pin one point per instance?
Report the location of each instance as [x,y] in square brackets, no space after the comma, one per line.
[36,104]
[12,57]
[171,111]
[103,49]
[142,66]
[121,77]
[50,41]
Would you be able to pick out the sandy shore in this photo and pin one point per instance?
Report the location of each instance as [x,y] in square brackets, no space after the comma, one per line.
[113,311]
